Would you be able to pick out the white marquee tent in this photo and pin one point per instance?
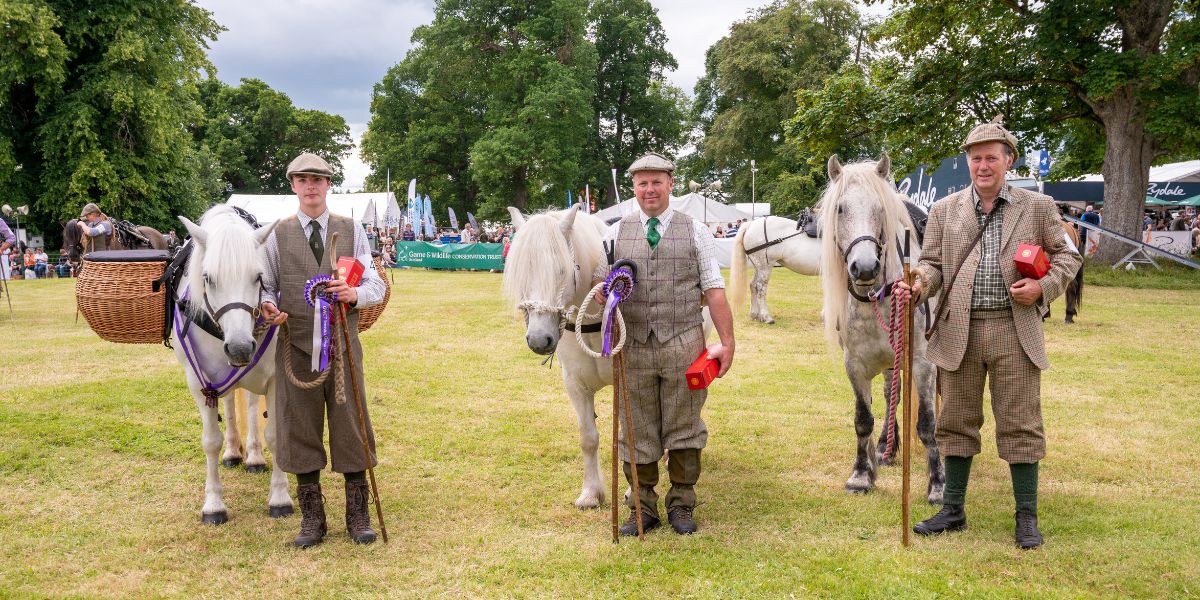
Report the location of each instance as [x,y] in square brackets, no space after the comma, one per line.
[360,207]
[695,205]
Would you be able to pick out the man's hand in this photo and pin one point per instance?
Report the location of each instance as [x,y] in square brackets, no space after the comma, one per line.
[345,293]
[82,227]
[724,355]
[1026,291]
[915,288]
[271,313]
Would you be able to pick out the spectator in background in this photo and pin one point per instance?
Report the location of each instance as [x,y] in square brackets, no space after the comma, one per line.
[7,239]
[29,262]
[408,234]
[720,231]
[41,262]
[467,235]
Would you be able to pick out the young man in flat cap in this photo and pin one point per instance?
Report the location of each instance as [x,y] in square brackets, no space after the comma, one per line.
[989,324]
[677,270]
[297,251]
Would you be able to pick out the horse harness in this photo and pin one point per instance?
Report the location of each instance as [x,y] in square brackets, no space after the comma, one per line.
[565,313]
[802,227]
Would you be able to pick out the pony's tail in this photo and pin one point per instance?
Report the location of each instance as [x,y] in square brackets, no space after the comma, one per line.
[737,272]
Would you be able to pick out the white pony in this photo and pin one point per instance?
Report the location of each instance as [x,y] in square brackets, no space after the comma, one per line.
[862,222]
[778,241]
[223,283]
[547,274]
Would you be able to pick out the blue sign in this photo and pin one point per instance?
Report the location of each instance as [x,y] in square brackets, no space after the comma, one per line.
[1043,164]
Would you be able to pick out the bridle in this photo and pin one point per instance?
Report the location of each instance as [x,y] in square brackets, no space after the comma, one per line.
[255,311]
[565,313]
[873,294]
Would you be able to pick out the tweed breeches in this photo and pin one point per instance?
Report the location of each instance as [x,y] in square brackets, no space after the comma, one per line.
[299,447]
[666,414]
[993,354]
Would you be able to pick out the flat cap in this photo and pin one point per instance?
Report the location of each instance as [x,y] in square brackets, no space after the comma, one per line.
[88,209]
[309,164]
[992,131]
[651,162]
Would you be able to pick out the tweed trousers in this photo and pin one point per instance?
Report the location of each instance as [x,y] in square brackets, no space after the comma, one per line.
[993,354]
[666,414]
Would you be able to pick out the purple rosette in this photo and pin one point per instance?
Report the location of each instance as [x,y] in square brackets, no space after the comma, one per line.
[617,287]
[315,295]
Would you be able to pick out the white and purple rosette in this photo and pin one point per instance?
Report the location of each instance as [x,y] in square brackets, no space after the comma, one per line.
[315,295]
[617,287]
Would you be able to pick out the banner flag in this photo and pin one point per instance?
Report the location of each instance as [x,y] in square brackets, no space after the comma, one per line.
[1044,163]
[450,256]
[570,200]
[587,198]
[412,189]
[428,217]
[453,218]
[474,224]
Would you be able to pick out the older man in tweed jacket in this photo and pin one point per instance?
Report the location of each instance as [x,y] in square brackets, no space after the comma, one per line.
[676,270]
[989,323]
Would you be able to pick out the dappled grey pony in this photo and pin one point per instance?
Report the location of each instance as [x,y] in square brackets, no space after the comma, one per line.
[863,220]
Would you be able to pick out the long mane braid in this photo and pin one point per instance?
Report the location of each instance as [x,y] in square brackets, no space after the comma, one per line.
[833,265]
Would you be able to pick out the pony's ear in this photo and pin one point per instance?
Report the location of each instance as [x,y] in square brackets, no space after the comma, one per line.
[834,167]
[569,220]
[517,219]
[194,230]
[884,167]
[262,233]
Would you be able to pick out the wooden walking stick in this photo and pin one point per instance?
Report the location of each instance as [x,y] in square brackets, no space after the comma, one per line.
[615,454]
[908,414]
[630,442]
[362,419]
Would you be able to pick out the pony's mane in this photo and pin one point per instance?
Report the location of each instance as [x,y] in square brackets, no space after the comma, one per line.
[230,253]
[71,233]
[539,258]
[833,265]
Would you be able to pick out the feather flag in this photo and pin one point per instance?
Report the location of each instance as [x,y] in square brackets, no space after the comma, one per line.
[587,198]
[428,217]
[453,218]
[474,224]
[570,200]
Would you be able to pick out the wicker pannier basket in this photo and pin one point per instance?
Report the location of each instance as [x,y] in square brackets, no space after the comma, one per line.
[368,316]
[118,293]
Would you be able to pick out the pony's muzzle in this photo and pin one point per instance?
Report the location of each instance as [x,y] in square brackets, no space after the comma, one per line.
[864,270]
[240,353]
[541,343]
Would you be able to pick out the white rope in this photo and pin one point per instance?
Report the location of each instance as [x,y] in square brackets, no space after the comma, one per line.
[583,314]
[564,312]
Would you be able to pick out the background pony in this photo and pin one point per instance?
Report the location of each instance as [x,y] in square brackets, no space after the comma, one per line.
[863,220]
[125,236]
[792,249]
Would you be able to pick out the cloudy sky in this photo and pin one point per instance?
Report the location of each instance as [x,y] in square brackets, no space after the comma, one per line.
[327,55]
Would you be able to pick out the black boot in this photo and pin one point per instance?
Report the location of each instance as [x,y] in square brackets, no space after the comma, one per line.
[358,516]
[312,507]
[1027,534]
[950,518]
[649,522]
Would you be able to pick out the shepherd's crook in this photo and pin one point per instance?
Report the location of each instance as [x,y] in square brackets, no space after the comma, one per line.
[362,419]
[909,413]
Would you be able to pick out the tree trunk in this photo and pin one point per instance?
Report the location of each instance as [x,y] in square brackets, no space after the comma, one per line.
[521,189]
[1127,157]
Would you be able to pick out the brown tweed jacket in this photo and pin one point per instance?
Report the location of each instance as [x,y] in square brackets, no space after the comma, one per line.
[1031,218]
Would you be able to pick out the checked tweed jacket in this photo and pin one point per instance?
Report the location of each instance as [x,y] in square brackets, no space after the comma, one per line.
[1030,218]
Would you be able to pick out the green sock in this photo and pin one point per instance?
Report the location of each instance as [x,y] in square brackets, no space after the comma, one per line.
[356,476]
[1025,486]
[310,477]
[958,471]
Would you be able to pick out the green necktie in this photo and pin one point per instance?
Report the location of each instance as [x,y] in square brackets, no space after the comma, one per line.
[314,241]
[652,234]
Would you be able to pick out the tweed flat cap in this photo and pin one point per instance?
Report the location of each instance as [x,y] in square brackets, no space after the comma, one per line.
[651,162]
[88,209]
[992,131]
[309,164]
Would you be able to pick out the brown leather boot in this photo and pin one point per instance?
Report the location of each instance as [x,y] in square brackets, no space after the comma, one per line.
[358,516]
[312,507]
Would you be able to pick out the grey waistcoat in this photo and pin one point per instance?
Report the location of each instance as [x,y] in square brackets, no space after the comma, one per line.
[666,296]
[297,265]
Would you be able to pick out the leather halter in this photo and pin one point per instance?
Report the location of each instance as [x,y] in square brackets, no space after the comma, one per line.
[216,315]
[873,294]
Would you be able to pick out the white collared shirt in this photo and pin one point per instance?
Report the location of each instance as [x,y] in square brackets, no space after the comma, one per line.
[706,254]
[370,290]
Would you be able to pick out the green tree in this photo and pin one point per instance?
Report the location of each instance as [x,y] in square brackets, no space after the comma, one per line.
[94,100]
[520,105]
[254,131]
[635,110]
[1103,86]
[749,89]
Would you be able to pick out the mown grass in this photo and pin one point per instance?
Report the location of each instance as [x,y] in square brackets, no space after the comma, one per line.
[1171,276]
[101,473]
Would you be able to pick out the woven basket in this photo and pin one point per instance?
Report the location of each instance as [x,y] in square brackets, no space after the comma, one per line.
[370,314]
[116,292]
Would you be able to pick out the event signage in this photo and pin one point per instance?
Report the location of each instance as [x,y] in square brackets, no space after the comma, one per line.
[1093,191]
[484,257]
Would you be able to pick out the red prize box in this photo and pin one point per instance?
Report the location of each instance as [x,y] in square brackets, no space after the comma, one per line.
[350,270]
[1031,261]
[702,372]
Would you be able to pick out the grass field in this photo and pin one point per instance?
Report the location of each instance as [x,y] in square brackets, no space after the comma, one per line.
[101,471]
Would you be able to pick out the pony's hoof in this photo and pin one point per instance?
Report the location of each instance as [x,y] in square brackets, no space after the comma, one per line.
[217,518]
[279,512]
[231,462]
[884,462]
[935,495]
[860,484]
[256,468]
[587,501]
[1069,320]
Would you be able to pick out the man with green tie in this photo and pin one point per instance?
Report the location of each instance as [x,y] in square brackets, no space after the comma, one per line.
[677,272]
